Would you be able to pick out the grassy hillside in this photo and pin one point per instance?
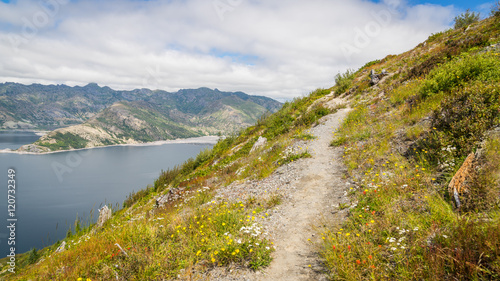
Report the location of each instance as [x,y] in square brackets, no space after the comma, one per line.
[404,140]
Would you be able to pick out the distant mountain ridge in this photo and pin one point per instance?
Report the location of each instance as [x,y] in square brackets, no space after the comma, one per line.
[91,115]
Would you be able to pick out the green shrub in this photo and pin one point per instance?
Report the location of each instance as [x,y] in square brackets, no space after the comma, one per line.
[33,256]
[343,81]
[466,19]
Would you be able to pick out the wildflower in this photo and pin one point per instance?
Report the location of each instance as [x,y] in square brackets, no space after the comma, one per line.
[358,261]
[392,240]
[333,247]
[349,247]
[237,250]
[445,236]
[251,250]
[372,266]
[198,253]
[370,257]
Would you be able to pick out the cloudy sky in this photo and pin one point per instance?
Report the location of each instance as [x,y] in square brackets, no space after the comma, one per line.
[276,48]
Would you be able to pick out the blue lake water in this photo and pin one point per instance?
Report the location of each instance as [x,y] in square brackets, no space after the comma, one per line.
[52,190]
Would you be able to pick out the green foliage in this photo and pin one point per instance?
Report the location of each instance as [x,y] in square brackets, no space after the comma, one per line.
[343,81]
[33,256]
[463,69]
[65,141]
[294,115]
[371,63]
[495,9]
[313,115]
[466,19]
[294,157]
[134,197]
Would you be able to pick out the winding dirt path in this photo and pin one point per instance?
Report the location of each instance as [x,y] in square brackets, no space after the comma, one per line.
[320,188]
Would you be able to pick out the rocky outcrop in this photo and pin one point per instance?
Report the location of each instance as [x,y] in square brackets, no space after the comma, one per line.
[375,78]
[261,142]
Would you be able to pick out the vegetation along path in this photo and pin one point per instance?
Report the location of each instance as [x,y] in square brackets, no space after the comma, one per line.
[312,189]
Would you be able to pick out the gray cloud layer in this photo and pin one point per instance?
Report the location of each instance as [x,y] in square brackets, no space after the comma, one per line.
[276,48]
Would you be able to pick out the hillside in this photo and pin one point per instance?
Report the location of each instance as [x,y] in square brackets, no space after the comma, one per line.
[101,116]
[391,174]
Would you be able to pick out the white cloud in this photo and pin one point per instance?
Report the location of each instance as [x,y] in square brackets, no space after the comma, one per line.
[274,48]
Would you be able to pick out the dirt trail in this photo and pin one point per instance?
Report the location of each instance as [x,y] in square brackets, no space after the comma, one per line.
[320,188]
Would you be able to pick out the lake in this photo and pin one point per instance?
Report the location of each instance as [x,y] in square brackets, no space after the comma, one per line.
[53,190]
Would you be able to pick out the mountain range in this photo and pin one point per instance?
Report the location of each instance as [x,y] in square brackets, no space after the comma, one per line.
[89,116]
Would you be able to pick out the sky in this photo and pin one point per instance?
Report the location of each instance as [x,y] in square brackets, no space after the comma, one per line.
[276,48]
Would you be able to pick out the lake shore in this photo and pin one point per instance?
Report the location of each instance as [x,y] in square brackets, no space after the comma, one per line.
[196,140]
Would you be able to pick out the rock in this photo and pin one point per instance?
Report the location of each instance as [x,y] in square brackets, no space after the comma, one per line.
[170,196]
[160,201]
[61,247]
[375,78]
[104,215]
[258,144]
